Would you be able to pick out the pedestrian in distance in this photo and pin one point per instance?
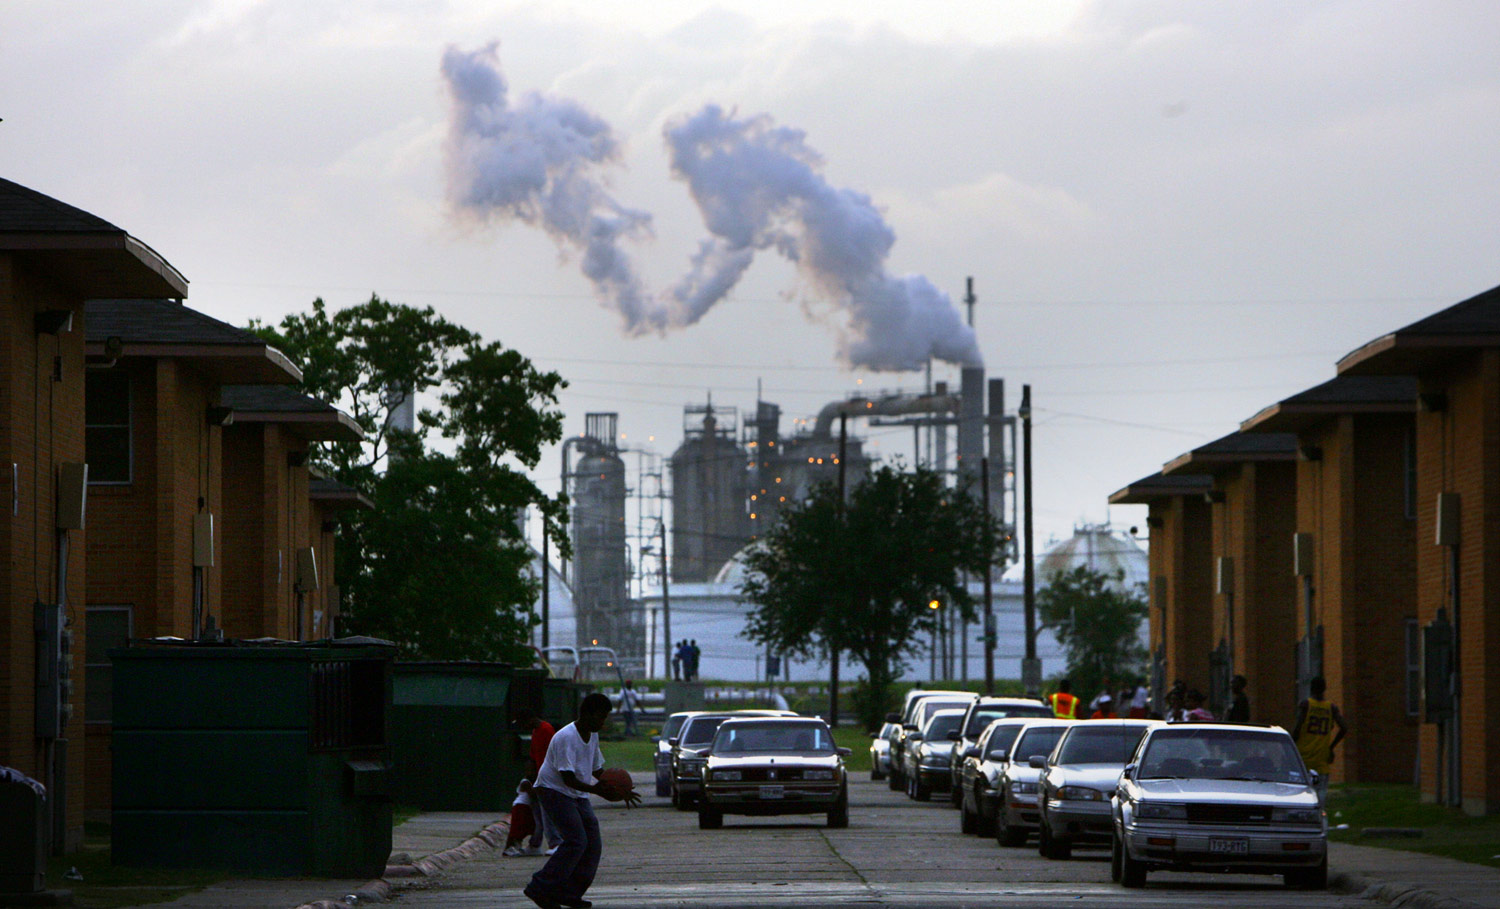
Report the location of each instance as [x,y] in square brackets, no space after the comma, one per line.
[568,776]
[1196,712]
[677,660]
[1105,709]
[1140,702]
[1064,704]
[1319,729]
[693,654]
[1176,712]
[629,701]
[1239,701]
[541,736]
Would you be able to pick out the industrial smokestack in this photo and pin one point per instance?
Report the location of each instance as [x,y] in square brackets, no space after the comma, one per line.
[971,425]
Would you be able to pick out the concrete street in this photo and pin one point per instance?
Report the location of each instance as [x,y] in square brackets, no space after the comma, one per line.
[895,853]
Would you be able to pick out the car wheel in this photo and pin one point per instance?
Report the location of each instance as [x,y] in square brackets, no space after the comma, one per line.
[875,773]
[1005,834]
[956,794]
[985,825]
[839,816]
[894,781]
[1308,878]
[1050,846]
[709,819]
[1114,859]
[1132,872]
[663,787]
[920,792]
[967,822]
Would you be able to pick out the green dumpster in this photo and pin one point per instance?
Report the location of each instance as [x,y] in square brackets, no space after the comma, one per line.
[451,736]
[526,692]
[260,758]
[23,833]
[559,702]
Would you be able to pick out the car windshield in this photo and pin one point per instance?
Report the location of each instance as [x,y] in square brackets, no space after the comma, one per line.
[983,716]
[1002,738]
[1036,740]
[1107,744]
[674,725]
[1222,754]
[759,737]
[939,726]
[701,730]
[929,706]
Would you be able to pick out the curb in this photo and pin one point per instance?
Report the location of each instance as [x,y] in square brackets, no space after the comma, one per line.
[379,891]
[1408,896]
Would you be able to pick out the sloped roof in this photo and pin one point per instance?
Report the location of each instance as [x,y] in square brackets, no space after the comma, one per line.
[168,329]
[305,415]
[1341,395]
[81,251]
[335,496]
[1235,448]
[1160,486]
[1471,324]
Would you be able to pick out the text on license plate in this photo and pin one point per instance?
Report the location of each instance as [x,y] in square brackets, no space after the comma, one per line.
[1229,847]
[772,792]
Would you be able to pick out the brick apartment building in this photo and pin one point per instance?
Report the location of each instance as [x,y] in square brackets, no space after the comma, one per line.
[1181,590]
[53,257]
[1455,357]
[1251,519]
[1355,524]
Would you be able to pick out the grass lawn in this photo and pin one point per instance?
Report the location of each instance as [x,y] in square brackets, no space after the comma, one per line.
[106,886]
[1445,831]
[635,754]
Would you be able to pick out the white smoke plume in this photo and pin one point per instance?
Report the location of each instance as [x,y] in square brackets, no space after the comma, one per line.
[756,184]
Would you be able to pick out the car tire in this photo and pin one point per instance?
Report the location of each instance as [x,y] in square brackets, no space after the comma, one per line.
[1005,834]
[967,821]
[1052,847]
[875,774]
[1308,878]
[956,794]
[1132,872]
[984,824]
[919,792]
[1114,859]
[709,819]
[838,818]
[894,781]
[663,788]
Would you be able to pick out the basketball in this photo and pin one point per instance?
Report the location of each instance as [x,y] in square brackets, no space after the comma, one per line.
[616,781]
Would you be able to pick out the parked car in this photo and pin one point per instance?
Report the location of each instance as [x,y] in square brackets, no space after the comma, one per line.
[979,781]
[774,765]
[979,716]
[919,707]
[927,751]
[1016,811]
[662,759]
[880,750]
[1218,797]
[689,751]
[1077,780]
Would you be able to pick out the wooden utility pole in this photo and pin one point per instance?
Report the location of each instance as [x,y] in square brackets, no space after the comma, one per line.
[833,649]
[989,560]
[546,590]
[666,607]
[1030,670]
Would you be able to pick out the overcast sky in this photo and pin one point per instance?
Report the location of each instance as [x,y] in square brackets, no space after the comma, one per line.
[1175,213]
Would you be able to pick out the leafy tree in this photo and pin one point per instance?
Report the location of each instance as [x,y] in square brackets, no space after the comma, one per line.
[857,578]
[440,566]
[1097,621]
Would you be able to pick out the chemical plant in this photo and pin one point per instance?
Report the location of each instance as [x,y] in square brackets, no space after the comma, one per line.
[729,481]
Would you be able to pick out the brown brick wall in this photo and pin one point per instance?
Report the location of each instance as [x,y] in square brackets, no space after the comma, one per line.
[269,517]
[1179,556]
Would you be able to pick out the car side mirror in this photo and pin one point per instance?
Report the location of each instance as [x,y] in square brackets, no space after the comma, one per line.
[874,735]
[673,741]
[972,751]
[1312,778]
[844,752]
[1129,771]
[955,735]
[910,727]
[999,754]
[893,717]
[1037,761]
[914,737]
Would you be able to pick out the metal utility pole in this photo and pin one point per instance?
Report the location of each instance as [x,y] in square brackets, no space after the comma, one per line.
[970,299]
[1031,674]
[666,607]
[989,603]
[833,672]
[546,588]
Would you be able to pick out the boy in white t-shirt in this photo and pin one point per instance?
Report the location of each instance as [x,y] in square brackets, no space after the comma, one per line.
[563,784]
[522,823]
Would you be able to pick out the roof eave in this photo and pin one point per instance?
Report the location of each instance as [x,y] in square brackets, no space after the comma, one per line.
[322,426]
[1409,354]
[231,364]
[135,269]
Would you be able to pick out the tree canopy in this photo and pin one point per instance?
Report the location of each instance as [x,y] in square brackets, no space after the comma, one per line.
[857,577]
[1097,621]
[441,565]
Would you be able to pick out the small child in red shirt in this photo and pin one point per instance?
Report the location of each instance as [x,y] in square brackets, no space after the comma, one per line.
[522,824]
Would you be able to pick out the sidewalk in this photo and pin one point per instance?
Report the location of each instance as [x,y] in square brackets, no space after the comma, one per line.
[1411,879]
[424,845]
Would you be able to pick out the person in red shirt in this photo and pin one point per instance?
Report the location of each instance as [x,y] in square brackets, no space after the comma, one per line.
[541,736]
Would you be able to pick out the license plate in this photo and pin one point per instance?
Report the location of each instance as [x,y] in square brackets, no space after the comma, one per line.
[772,792]
[1229,847]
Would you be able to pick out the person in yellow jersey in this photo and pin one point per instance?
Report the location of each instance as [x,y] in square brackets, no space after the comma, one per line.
[1319,729]
[1064,704]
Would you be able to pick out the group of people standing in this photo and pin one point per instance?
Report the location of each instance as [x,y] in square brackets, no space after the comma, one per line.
[685,660]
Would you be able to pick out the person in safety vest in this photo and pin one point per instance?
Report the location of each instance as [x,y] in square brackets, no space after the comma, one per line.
[1320,727]
[1064,705]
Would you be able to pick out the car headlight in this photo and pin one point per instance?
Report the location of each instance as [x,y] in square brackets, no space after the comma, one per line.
[691,768]
[818,775]
[1020,788]
[1297,815]
[726,775]
[931,759]
[1161,812]
[1079,794]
